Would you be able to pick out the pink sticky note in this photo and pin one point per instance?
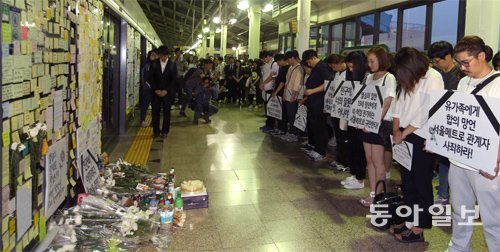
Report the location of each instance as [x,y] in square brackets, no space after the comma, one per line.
[24,35]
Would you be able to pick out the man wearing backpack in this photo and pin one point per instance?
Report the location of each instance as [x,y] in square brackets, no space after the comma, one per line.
[162,77]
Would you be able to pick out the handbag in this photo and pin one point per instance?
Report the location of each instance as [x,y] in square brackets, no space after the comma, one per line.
[393,201]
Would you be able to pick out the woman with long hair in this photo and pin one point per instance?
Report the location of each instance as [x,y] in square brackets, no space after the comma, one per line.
[374,144]
[356,71]
[415,80]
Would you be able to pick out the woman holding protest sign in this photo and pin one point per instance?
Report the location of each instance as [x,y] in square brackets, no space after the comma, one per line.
[415,80]
[376,143]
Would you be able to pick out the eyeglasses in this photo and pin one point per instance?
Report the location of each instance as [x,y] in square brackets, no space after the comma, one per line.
[466,63]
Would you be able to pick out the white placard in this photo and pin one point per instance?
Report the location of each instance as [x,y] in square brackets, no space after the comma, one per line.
[23,209]
[344,91]
[301,118]
[366,108]
[90,172]
[274,107]
[56,177]
[402,153]
[329,97]
[465,128]
[88,138]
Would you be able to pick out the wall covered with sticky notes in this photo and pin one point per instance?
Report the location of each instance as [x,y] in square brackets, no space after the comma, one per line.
[133,67]
[51,56]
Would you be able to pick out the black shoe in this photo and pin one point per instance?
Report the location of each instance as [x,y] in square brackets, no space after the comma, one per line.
[410,237]
[182,114]
[156,135]
[398,230]
[164,135]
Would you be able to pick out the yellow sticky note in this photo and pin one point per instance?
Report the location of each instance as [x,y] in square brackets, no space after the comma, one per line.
[40,198]
[5,224]
[72,181]
[5,241]
[6,138]
[19,247]
[27,174]
[12,226]
[26,241]
[36,219]
[19,180]
[12,242]
[43,230]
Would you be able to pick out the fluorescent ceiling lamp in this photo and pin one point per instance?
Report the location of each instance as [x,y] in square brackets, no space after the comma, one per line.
[268,7]
[216,20]
[232,21]
[200,36]
[234,48]
[206,29]
[243,5]
[217,30]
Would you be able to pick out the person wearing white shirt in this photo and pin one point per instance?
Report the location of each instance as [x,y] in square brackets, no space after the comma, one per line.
[270,70]
[415,80]
[468,186]
[374,144]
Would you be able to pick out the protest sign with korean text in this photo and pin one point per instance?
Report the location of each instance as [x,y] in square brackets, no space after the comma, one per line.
[465,128]
[56,175]
[402,153]
[366,108]
[344,92]
[329,97]
[274,107]
[90,172]
[301,118]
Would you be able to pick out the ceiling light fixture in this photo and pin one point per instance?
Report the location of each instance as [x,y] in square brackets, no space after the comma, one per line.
[216,20]
[217,30]
[232,21]
[206,30]
[268,7]
[243,5]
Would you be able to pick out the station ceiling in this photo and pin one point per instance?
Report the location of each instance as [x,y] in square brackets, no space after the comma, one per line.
[178,22]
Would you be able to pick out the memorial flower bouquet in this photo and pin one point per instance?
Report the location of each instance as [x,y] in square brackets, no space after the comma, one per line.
[96,221]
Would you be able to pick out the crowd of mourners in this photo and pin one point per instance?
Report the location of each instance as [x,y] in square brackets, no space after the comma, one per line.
[408,75]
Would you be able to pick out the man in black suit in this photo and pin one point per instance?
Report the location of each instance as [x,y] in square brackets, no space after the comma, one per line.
[231,84]
[163,74]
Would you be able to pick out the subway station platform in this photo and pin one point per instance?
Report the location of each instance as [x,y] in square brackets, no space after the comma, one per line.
[265,195]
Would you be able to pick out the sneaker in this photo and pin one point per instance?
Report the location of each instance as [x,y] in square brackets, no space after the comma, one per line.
[388,175]
[441,201]
[354,184]
[346,180]
[314,156]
